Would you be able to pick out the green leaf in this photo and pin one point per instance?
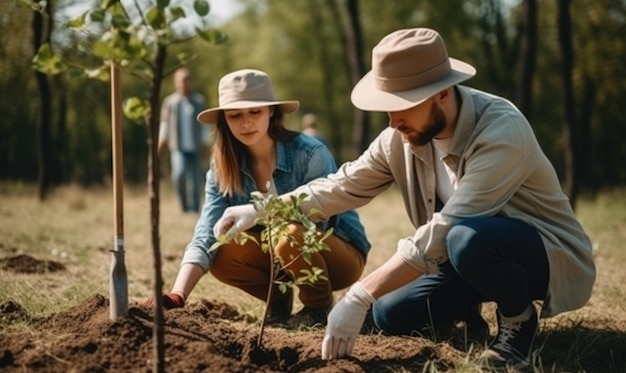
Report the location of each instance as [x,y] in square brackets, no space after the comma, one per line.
[177,13]
[120,21]
[183,56]
[106,4]
[37,6]
[97,15]
[102,73]
[77,22]
[47,62]
[156,18]
[213,36]
[201,7]
[102,49]
[136,109]
[163,3]
[215,246]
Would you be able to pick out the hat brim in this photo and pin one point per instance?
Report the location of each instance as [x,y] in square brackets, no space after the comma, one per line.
[366,96]
[211,115]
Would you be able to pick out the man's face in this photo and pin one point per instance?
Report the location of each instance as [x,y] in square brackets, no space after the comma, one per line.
[182,83]
[419,124]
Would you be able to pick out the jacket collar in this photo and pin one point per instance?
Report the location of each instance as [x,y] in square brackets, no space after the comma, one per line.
[465,123]
[283,160]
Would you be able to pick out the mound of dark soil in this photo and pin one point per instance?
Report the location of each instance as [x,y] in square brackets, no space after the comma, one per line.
[28,264]
[202,337]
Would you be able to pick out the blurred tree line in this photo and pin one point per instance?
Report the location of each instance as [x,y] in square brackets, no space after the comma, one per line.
[568,82]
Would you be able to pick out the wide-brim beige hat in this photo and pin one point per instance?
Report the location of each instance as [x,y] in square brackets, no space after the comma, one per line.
[408,67]
[244,89]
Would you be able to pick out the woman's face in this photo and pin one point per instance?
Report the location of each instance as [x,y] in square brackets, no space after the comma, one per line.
[249,126]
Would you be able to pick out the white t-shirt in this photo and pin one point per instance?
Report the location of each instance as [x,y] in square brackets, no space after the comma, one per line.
[186,126]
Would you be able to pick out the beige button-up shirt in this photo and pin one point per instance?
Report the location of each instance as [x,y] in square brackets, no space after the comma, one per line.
[501,170]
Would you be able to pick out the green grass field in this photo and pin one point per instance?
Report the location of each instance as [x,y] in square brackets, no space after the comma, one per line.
[76,228]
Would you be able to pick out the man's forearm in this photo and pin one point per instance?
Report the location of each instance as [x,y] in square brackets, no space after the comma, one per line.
[393,274]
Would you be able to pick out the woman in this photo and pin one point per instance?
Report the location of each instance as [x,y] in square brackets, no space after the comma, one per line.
[254,152]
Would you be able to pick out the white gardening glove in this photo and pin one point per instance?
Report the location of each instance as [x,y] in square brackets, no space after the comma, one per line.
[345,321]
[234,220]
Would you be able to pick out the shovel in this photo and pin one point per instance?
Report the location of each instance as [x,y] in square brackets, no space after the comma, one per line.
[118,282]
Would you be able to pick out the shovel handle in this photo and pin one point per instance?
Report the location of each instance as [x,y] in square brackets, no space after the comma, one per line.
[118,283]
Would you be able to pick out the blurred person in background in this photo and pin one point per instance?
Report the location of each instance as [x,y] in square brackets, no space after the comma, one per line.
[309,128]
[187,139]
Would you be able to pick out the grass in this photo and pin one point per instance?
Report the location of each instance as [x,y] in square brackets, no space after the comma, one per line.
[76,228]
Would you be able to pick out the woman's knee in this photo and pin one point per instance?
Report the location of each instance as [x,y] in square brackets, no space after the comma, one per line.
[233,261]
[221,268]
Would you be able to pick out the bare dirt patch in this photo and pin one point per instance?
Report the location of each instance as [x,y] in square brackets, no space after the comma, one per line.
[203,336]
[209,336]
[27,264]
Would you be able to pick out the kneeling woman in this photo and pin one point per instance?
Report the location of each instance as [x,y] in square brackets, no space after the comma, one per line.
[254,151]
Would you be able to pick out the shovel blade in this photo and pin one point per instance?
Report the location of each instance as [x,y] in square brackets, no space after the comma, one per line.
[118,284]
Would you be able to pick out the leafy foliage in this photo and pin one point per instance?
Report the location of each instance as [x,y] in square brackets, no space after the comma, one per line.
[300,45]
[130,43]
[276,216]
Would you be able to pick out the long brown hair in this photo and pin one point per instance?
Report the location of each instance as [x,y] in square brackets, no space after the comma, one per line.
[229,153]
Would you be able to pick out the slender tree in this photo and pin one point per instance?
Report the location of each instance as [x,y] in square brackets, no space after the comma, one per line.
[567,98]
[361,128]
[42,27]
[328,93]
[528,55]
[139,44]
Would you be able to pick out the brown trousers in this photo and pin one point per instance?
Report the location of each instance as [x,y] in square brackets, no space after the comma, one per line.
[247,267]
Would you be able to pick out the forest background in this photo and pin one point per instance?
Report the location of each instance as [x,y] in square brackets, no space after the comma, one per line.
[560,61]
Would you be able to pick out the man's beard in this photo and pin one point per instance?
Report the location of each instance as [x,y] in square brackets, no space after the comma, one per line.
[436,124]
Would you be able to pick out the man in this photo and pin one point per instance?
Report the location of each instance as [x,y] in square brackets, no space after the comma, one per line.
[187,139]
[309,127]
[492,223]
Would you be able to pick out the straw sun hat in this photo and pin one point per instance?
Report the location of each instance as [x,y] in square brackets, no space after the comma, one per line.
[408,67]
[243,89]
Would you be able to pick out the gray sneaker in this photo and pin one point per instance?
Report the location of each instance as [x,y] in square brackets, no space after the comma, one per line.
[512,347]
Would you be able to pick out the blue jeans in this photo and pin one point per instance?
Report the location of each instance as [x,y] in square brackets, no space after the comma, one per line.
[490,259]
[186,176]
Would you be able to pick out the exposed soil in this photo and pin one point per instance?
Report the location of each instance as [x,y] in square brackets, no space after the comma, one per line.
[203,337]
[27,264]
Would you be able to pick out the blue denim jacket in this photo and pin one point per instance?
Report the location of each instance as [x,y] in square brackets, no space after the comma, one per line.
[298,161]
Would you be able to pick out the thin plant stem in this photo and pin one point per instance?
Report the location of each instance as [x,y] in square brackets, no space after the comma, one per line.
[270,252]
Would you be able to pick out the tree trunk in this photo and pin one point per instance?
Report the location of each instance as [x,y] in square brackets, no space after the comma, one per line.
[153,184]
[327,76]
[60,168]
[528,56]
[584,165]
[569,118]
[45,110]
[361,129]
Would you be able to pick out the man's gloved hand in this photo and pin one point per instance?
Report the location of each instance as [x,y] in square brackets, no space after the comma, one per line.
[345,321]
[170,300]
[236,219]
